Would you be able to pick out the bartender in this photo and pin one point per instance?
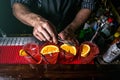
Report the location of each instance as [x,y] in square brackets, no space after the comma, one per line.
[53,18]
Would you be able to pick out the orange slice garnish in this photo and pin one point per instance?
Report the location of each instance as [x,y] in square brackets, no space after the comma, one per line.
[49,49]
[85,50]
[22,53]
[69,48]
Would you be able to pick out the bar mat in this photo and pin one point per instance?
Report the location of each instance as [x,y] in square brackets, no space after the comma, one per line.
[10,55]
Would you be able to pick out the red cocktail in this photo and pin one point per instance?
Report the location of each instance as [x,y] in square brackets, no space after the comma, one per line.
[32,50]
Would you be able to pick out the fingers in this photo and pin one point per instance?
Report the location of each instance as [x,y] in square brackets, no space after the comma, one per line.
[39,36]
[65,36]
[70,37]
[45,32]
[51,31]
[62,35]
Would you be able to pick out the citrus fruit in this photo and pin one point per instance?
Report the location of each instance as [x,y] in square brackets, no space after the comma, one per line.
[69,48]
[48,49]
[85,50]
[22,53]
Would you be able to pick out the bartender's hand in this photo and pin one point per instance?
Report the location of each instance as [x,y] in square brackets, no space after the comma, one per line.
[68,34]
[44,30]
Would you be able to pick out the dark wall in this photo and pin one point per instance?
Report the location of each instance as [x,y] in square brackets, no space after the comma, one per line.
[8,23]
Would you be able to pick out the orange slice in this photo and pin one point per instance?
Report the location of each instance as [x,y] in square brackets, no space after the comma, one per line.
[49,49]
[22,53]
[85,50]
[69,48]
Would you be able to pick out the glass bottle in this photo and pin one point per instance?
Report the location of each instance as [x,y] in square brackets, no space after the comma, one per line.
[112,53]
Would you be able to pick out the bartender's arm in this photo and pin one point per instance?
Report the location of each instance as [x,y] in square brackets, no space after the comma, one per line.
[68,32]
[43,29]
[82,15]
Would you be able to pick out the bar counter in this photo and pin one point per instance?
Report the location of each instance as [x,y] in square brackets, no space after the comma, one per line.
[94,71]
[11,66]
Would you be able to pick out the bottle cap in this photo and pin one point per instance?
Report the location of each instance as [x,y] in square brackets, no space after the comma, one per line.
[110,20]
[117,34]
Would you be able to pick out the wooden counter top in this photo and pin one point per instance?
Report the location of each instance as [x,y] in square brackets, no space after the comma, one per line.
[59,71]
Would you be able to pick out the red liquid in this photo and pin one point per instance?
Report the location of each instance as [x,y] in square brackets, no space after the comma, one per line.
[32,49]
[94,51]
[50,58]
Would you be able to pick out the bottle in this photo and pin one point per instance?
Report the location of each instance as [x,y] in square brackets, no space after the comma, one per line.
[106,30]
[112,53]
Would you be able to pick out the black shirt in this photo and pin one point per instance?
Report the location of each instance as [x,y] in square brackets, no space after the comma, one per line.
[59,12]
